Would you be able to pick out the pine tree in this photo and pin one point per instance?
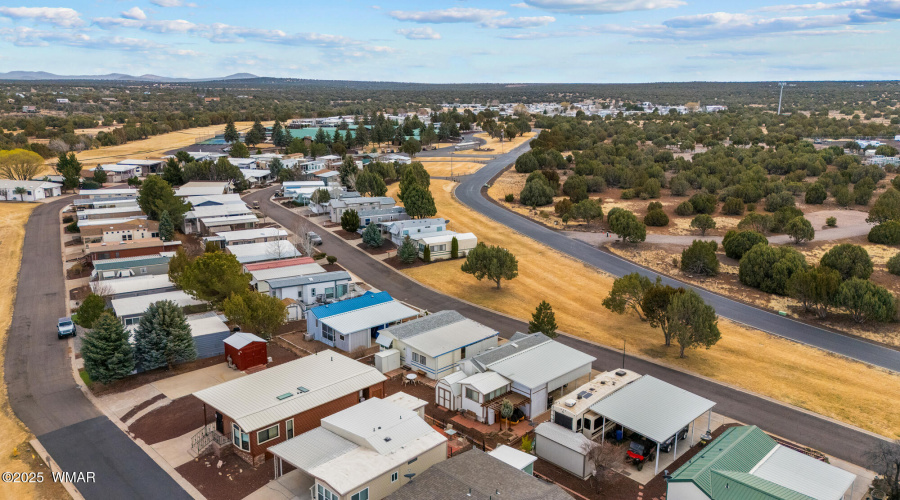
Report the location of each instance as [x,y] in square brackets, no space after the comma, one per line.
[100,175]
[407,252]
[163,337]
[166,227]
[543,320]
[372,236]
[69,167]
[106,352]
[231,133]
[454,248]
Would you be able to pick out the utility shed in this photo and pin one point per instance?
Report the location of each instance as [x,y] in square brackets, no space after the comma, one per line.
[246,350]
[654,409]
[564,448]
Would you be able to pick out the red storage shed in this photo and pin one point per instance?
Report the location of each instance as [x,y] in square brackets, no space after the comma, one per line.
[246,350]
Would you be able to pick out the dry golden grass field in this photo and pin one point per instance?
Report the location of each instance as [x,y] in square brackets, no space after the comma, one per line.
[496,146]
[749,359]
[442,168]
[12,432]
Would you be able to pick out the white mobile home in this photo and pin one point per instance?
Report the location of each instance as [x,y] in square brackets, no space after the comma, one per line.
[354,323]
[13,190]
[441,245]
[313,288]
[436,343]
[414,228]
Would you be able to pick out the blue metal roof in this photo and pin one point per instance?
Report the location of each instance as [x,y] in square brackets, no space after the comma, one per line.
[366,300]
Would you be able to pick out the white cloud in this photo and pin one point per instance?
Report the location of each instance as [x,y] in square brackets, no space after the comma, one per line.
[172,3]
[419,33]
[59,16]
[134,13]
[452,15]
[599,6]
[518,22]
[153,26]
[28,37]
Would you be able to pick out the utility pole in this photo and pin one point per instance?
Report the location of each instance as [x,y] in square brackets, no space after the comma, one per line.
[780,95]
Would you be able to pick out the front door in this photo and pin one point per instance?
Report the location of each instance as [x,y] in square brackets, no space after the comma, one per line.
[444,398]
[220,426]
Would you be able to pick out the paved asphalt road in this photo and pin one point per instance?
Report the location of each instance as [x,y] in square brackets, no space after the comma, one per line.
[797,425]
[43,393]
[469,193]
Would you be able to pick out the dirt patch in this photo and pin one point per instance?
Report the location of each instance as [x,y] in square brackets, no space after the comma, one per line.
[172,420]
[137,409]
[348,235]
[79,294]
[234,480]
[79,270]
[387,247]
[144,378]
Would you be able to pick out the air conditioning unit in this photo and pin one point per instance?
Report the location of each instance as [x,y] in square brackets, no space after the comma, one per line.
[570,403]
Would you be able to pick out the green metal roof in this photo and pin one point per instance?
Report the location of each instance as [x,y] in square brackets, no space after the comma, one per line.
[730,485]
[738,449]
[125,262]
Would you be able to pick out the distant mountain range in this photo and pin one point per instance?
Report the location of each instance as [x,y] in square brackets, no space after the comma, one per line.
[43,75]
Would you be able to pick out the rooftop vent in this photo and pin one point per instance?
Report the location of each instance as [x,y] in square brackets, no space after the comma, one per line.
[621,373]
[570,402]
[387,439]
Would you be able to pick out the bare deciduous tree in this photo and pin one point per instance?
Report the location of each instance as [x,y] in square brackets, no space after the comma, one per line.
[885,460]
[301,239]
[604,458]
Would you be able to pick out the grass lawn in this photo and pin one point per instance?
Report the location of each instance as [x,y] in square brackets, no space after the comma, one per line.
[826,384]
[12,432]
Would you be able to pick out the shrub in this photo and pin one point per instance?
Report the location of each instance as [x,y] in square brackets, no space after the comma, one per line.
[68,219]
[816,194]
[784,215]
[526,163]
[454,248]
[842,196]
[651,188]
[595,184]
[852,261]
[700,258]
[679,187]
[73,227]
[776,201]
[893,264]
[563,206]
[350,221]
[886,207]
[684,208]
[426,253]
[800,230]
[751,207]
[831,222]
[865,300]
[509,198]
[703,203]
[733,206]
[656,218]
[629,194]
[654,205]
[737,243]
[536,193]
[862,195]
[761,223]
[704,223]
[887,233]
[575,188]
[319,255]
[769,268]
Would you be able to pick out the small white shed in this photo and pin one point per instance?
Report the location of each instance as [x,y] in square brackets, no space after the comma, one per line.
[448,391]
[564,448]
[388,360]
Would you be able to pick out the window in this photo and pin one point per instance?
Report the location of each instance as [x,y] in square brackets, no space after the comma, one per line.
[313,292]
[587,423]
[395,476]
[362,495]
[472,395]
[267,434]
[143,270]
[495,394]
[239,438]
[132,321]
[325,494]
[289,428]
[329,292]
[327,332]
[419,358]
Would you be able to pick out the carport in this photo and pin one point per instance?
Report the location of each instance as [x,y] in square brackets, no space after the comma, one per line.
[654,409]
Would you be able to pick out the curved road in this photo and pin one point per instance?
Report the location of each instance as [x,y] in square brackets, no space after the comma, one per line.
[469,193]
[43,393]
[791,423]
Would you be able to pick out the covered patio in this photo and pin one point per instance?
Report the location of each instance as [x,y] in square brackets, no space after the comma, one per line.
[656,410]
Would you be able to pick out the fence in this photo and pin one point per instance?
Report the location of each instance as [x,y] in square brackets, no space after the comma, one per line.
[206,436]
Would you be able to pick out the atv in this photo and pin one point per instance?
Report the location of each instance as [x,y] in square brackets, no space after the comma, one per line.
[639,451]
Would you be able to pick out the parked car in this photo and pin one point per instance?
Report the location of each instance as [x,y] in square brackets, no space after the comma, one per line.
[65,327]
[667,446]
[314,238]
[640,450]
[256,204]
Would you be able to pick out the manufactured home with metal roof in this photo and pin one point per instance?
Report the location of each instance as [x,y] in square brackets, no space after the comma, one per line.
[354,323]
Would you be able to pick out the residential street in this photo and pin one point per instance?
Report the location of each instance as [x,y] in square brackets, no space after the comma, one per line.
[469,193]
[794,424]
[43,393]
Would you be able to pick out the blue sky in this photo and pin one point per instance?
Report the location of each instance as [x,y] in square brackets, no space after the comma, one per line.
[458,41]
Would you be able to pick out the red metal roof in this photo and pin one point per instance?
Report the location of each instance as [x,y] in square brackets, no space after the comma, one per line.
[273,264]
